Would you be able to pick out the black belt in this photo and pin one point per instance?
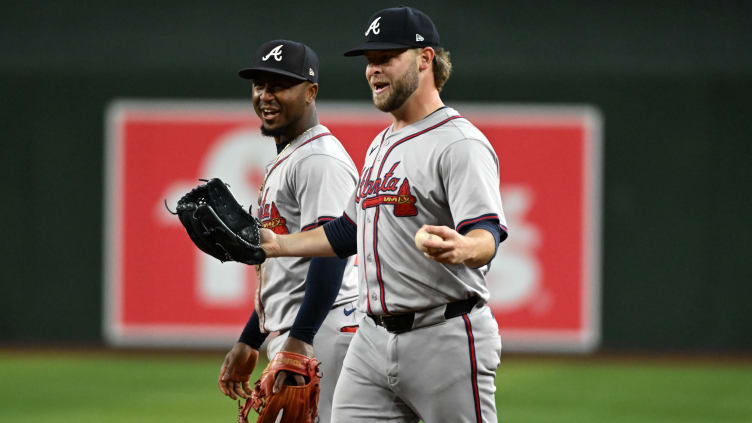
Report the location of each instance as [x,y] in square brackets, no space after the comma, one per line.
[403,322]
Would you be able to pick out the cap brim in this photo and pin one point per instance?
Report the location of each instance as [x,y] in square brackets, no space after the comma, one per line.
[249,73]
[364,47]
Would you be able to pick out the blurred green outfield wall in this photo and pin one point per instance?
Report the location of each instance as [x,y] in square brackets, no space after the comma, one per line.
[673,81]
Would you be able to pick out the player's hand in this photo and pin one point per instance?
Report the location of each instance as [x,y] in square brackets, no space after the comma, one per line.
[449,248]
[235,373]
[269,242]
[283,378]
[473,250]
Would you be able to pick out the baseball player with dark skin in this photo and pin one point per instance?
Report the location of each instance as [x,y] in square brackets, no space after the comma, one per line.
[299,298]
[429,347]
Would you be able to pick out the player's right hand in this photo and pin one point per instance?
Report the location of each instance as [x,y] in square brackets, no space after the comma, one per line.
[285,378]
[235,373]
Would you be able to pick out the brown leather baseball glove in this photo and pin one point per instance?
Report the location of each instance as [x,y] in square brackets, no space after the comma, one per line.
[296,404]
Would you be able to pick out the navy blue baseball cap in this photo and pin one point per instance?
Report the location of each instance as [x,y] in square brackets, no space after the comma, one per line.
[397,28]
[284,57]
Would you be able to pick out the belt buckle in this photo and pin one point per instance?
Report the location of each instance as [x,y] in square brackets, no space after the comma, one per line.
[387,320]
[378,319]
[394,323]
[398,323]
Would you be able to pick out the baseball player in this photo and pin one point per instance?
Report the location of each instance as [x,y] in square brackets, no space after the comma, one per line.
[429,347]
[306,185]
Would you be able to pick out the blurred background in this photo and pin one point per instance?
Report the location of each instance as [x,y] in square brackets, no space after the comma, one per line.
[672,81]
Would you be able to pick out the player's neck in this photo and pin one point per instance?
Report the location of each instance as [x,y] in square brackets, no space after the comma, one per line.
[419,105]
[300,126]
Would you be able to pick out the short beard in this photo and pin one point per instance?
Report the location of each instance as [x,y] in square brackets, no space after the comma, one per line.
[273,132]
[400,91]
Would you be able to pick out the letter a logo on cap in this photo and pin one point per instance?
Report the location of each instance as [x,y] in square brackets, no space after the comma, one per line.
[276,52]
[374,27]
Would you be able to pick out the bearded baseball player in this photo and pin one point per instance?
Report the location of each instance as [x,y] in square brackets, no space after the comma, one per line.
[305,186]
[429,347]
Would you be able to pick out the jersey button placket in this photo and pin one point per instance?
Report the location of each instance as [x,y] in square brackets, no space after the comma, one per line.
[370,268]
[375,304]
[369,232]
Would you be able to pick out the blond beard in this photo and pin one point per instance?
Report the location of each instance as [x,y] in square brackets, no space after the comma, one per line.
[399,91]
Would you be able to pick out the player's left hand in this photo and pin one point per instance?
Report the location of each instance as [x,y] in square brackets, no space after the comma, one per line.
[454,248]
[284,378]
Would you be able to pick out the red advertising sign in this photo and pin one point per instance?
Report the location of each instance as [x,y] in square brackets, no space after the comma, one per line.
[162,291]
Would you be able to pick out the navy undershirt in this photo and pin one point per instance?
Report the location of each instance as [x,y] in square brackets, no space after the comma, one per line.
[322,286]
[281,146]
[251,334]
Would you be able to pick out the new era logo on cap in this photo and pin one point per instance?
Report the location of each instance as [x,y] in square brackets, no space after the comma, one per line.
[397,28]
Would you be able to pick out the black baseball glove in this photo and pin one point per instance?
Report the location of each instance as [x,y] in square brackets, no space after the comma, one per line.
[219,226]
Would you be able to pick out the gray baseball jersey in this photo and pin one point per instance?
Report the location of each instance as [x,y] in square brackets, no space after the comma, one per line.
[438,171]
[306,186]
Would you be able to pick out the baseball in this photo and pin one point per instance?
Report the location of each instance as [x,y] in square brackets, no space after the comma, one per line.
[421,236]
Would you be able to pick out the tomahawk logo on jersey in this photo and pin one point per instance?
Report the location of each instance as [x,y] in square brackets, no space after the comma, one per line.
[271,219]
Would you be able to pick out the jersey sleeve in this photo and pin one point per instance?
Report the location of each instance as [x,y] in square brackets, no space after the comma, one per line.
[322,186]
[350,212]
[469,170]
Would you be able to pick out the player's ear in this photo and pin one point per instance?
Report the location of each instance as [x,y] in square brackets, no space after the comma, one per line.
[425,58]
[311,91]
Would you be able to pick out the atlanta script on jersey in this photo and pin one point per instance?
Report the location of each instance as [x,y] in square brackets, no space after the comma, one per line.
[439,171]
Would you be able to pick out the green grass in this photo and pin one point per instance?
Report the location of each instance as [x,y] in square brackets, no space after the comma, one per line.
[99,386]
[108,387]
[624,391]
